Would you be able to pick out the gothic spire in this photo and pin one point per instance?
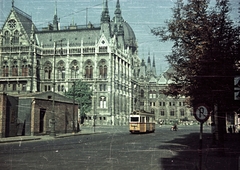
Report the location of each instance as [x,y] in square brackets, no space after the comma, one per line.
[55,18]
[153,67]
[118,13]
[149,60]
[12,3]
[153,61]
[105,13]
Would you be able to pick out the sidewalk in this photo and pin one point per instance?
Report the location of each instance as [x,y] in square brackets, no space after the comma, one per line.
[84,131]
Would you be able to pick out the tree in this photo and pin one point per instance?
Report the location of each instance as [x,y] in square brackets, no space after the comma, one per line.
[82,94]
[205,50]
[203,53]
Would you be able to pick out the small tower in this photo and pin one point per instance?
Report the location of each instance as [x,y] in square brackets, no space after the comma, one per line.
[118,27]
[142,72]
[12,3]
[105,20]
[55,19]
[154,67]
[149,69]
[118,14]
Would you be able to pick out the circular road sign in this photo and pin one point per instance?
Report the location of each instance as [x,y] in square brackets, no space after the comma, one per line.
[201,113]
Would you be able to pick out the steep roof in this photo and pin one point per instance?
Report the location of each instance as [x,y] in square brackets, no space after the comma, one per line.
[162,80]
[45,96]
[89,36]
[25,20]
[153,80]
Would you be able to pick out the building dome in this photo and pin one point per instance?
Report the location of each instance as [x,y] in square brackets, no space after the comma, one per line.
[129,35]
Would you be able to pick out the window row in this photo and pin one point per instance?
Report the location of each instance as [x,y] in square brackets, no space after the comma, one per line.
[169,103]
[97,118]
[15,71]
[11,38]
[172,103]
[74,71]
[60,88]
[13,87]
[152,94]
[73,51]
[15,49]
[173,113]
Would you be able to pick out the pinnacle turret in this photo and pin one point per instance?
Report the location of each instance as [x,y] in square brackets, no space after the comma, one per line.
[105,13]
[153,67]
[118,13]
[55,18]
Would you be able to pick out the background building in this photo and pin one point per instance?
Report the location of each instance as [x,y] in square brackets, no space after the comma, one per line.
[105,56]
[148,95]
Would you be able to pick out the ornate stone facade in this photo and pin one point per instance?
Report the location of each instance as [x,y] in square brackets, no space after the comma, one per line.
[148,95]
[34,60]
[105,56]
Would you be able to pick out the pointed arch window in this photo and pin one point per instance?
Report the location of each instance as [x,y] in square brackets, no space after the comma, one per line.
[5,69]
[102,70]
[47,70]
[74,69]
[24,68]
[15,68]
[16,37]
[7,37]
[89,70]
[61,70]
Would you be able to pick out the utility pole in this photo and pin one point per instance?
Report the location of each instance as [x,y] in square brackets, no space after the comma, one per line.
[53,132]
[32,63]
[74,129]
[86,17]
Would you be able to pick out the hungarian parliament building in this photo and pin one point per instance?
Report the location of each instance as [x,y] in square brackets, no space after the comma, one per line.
[105,56]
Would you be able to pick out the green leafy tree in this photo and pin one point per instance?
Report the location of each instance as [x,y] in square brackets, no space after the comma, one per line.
[204,55]
[82,94]
[204,51]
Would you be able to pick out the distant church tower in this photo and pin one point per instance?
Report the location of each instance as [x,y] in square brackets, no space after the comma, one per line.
[154,67]
[149,68]
[142,73]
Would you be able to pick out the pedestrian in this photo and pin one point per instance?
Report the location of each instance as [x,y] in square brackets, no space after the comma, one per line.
[230,129]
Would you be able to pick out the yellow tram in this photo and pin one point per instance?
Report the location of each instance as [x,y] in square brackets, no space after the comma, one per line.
[141,122]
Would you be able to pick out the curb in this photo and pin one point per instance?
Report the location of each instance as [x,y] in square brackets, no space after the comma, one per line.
[19,139]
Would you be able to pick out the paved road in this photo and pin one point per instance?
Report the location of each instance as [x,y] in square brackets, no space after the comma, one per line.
[115,150]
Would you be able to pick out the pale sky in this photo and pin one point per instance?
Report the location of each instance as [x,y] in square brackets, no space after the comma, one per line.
[142,15]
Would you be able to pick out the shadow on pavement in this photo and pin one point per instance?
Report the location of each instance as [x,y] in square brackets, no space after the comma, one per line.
[184,153]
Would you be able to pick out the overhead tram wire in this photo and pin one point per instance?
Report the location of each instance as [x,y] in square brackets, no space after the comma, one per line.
[73,13]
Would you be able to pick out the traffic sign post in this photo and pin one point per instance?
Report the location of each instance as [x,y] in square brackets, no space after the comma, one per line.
[201,113]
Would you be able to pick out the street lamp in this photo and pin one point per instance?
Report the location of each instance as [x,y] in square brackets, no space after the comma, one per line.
[74,129]
[53,132]
[94,119]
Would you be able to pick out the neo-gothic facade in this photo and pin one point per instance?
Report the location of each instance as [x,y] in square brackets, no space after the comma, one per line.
[105,56]
[148,95]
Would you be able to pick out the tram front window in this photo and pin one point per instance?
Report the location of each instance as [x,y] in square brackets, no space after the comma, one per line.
[134,119]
